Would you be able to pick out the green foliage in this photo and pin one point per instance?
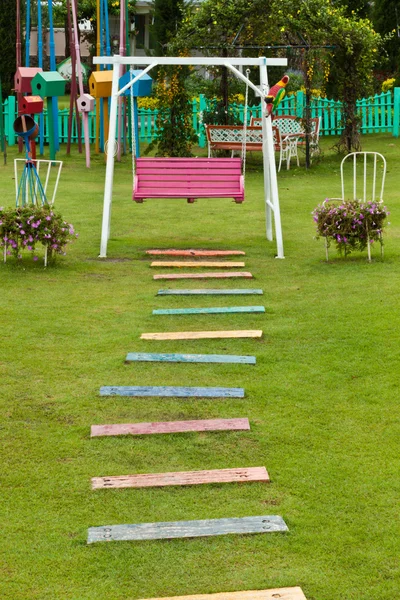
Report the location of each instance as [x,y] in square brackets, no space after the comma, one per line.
[23,228]
[350,225]
[174,120]
[386,18]
[8,17]
[167,17]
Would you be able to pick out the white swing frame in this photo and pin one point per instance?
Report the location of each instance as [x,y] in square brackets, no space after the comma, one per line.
[271,196]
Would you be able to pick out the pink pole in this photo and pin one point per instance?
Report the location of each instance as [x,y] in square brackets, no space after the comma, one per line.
[85,116]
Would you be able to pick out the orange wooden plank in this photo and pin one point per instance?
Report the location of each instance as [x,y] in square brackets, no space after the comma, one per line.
[170,427]
[198,335]
[250,474]
[227,275]
[291,593]
[173,252]
[194,264]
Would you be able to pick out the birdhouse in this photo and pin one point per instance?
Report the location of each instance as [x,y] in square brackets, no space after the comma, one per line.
[23,78]
[85,103]
[100,84]
[141,88]
[31,105]
[48,84]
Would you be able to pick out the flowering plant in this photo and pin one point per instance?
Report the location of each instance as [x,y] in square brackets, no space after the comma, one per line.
[22,228]
[352,225]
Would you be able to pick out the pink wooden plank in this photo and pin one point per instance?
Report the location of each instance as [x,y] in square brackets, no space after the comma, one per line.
[244,274]
[193,264]
[182,478]
[170,427]
[173,252]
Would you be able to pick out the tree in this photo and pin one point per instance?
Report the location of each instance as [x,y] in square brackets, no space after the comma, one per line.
[8,18]
[386,19]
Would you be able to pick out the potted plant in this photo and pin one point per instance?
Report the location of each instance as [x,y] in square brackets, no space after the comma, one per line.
[351,225]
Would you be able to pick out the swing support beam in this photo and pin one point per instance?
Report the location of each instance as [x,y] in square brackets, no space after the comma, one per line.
[271,195]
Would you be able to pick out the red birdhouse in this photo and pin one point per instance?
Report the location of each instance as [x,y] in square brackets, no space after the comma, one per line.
[31,105]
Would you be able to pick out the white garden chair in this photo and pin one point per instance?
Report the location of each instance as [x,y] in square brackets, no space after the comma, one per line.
[363,177]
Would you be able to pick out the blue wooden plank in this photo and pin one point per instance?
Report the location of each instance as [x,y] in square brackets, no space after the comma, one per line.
[209,292]
[189,358]
[167,391]
[209,311]
[186,529]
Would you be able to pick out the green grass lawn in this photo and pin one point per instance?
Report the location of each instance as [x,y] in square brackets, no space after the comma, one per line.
[322,400]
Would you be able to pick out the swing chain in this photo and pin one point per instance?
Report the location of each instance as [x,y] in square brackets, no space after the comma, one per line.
[245,129]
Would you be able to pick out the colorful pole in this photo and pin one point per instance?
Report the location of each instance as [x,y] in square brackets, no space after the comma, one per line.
[72,100]
[28,33]
[52,47]
[40,63]
[121,72]
[85,115]
[18,59]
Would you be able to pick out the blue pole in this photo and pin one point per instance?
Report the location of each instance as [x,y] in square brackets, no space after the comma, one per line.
[102,68]
[40,64]
[52,46]
[28,33]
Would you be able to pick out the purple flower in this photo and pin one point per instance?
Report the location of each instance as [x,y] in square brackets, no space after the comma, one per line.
[22,232]
[35,258]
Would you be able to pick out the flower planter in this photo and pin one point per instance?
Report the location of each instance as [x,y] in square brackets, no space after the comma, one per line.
[351,225]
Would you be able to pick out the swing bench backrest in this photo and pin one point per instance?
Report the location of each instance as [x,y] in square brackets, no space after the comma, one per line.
[189,178]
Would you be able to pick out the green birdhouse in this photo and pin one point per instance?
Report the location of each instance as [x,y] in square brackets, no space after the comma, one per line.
[48,84]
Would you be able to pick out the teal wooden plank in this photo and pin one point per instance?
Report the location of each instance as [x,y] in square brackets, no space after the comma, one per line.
[209,292]
[186,529]
[189,358]
[171,391]
[209,311]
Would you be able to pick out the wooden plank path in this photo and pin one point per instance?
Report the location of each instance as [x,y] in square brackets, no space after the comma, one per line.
[193,264]
[171,391]
[189,358]
[170,427]
[246,475]
[208,292]
[219,275]
[199,335]
[216,310]
[186,529]
[288,593]
[172,252]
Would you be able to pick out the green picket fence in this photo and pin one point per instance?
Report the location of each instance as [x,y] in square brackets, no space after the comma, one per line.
[378,114]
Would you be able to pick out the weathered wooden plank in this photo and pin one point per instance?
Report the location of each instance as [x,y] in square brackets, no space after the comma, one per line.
[209,292]
[193,264]
[215,310]
[170,427]
[198,335]
[189,358]
[173,252]
[220,275]
[186,529]
[241,475]
[171,391]
[291,593]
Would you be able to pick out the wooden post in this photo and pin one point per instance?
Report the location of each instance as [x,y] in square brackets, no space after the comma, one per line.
[50,128]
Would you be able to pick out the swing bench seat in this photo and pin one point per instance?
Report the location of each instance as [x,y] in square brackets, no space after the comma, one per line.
[189,178]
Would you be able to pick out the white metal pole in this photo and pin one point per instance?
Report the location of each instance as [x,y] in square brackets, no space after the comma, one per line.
[265,150]
[271,190]
[105,229]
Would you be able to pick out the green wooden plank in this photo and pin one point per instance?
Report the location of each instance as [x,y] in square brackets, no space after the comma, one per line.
[208,292]
[209,311]
[186,529]
[172,391]
[189,358]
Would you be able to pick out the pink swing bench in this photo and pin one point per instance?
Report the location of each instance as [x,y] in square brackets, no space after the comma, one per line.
[189,178]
